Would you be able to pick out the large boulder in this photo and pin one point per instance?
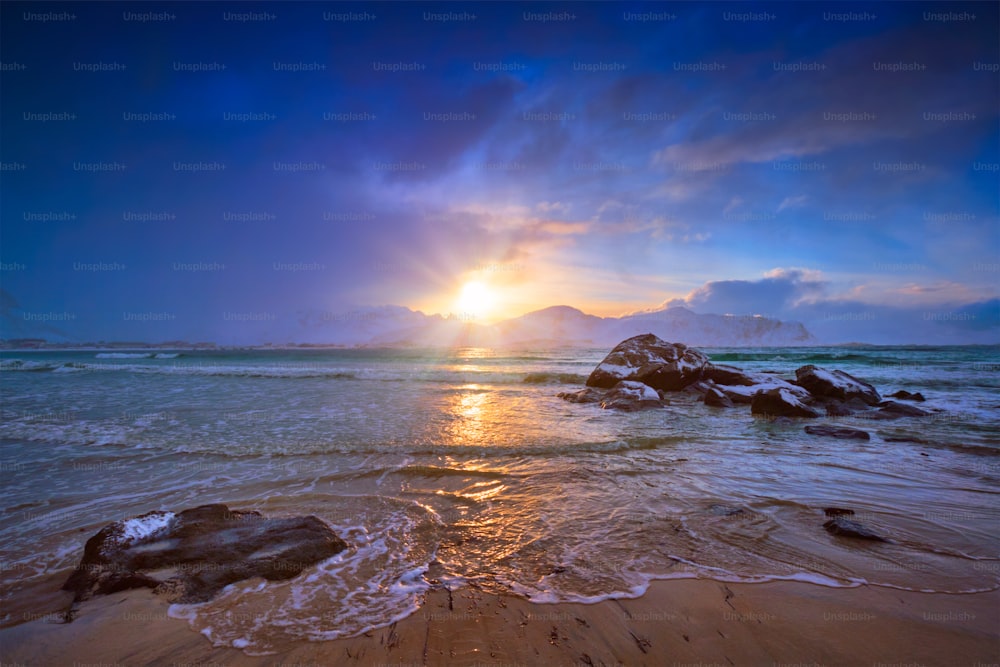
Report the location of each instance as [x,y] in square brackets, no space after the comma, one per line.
[196,553]
[652,361]
[629,395]
[822,383]
[904,395]
[779,402]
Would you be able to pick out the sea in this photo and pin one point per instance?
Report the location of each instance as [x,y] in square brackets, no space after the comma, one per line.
[462,468]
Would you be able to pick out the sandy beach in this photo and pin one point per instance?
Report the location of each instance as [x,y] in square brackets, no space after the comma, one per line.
[689,623]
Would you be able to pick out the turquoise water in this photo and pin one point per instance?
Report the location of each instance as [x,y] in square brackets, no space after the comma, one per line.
[463,468]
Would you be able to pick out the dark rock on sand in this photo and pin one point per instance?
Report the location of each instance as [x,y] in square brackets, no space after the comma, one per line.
[837,511]
[652,361]
[716,399]
[630,396]
[907,396]
[196,553]
[587,395]
[823,383]
[780,402]
[842,432]
[848,528]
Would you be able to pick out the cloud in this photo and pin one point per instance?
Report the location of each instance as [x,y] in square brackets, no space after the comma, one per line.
[940,314]
[775,293]
[792,202]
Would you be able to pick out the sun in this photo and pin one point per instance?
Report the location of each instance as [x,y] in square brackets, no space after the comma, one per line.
[475,299]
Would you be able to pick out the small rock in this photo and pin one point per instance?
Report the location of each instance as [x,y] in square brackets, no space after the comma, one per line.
[835,408]
[717,399]
[837,511]
[780,402]
[907,396]
[847,528]
[729,375]
[587,395]
[843,432]
[902,409]
[726,510]
[629,396]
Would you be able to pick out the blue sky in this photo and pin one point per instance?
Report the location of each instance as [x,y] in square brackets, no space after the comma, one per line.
[832,163]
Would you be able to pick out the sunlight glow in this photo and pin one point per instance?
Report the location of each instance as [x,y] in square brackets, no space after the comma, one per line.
[476,298]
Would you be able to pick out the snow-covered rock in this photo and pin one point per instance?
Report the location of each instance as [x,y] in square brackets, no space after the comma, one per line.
[717,399]
[652,361]
[629,395]
[842,386]
[779,402]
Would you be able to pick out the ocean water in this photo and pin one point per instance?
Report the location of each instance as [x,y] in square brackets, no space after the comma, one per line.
[463,468]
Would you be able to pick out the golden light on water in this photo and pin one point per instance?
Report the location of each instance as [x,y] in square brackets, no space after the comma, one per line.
[472,411]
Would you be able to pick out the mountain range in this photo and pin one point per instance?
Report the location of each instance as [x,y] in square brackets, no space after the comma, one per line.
[397,326]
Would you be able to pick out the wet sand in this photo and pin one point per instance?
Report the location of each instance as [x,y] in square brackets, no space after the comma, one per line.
[679,623]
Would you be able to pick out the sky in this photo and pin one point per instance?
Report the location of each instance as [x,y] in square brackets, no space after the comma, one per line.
[212,171]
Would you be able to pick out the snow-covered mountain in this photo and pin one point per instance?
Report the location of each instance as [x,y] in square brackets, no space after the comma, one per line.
[557,326]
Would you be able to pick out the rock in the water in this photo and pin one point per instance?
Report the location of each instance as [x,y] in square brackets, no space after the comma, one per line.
[780,402]
[201,550]
[716,399]
[650,360]
[722,374]
[903,409]
[835,408]
[822,383]
[847,528]
[727,510]
[907,396]
[843,432]
[587,395]
[837,511]
[629,395]
[700,387]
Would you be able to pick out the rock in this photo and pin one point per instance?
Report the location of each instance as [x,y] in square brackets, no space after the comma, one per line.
[779,402]
[822,383]
[842,432]
[847,528]
[907,396]
[196,553]
[729,375]
[835,408]
[727,510]
[587,395]
[716,399]
[629,395]
[700,387]
[738,394]
[650,360]
[902,409]
[837,511]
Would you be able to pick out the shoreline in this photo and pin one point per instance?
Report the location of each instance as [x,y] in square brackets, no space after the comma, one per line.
[677,623]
